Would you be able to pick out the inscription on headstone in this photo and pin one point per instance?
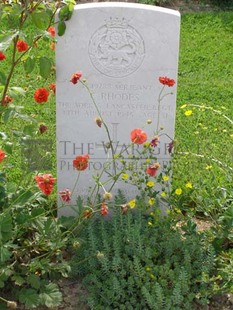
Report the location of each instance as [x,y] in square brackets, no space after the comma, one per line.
[122,49]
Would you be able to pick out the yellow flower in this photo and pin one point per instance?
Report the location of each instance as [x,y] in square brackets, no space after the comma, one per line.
[188,112]
[132,203]
[177,210]
[149,223]
[152,276]
[178,191]
[147,160]
[183,106]
[208,167]
[165,178]
[151,201]
[231,135]
[146,144]
[189,185]
[125,176]
[163,194]
[150,184]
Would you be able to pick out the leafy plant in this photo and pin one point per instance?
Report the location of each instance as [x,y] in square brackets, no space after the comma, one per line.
[136,261]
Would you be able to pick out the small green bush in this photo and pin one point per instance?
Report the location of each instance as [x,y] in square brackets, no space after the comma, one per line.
[138,262]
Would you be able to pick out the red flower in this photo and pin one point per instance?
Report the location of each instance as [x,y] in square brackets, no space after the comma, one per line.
[43,128]
[2,155]
[7,100]
[152,169]
[2,56]
[41,95]
[104,209]
[76,77]
[81,162]
[166,81]
[65,195]
[154,142]
[45,183]
[21,46]
[52,87]
[138,136]
[51,30]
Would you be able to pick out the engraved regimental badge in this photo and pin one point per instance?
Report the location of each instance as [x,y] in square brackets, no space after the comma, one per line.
[116,49]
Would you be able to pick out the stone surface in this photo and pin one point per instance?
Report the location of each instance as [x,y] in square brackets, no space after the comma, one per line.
[122,49]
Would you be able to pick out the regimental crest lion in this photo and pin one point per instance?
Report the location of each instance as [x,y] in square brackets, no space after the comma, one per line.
[116,49]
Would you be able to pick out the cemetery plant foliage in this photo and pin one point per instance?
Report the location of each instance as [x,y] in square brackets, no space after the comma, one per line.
[33,242]
[132,258]
[138,261]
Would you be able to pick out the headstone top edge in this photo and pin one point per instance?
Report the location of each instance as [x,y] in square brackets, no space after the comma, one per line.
[146,7]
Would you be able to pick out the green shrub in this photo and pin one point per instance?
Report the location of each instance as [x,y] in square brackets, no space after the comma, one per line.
[135,261]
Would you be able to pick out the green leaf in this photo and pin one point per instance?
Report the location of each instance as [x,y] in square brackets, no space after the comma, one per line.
[5,227]
[45,66]
[3,135]
[5,273]
[61,28]
[5,254]
[37,211]
[5,40]
[29,297]
[66,12]
[9,113]
[40,20]
[23,197]
[2,78]
[71,2]
[8,147]
[18,280]
[29,64]
[50,295]
[29,129]
[23,218]
[34,281]
[16,91]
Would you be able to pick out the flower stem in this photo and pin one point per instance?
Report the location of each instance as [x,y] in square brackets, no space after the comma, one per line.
[105,125]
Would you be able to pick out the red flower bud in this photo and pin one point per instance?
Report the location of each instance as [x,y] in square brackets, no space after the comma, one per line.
[104,209]
[76,77]
[21,46]
[166,81]
[152,169]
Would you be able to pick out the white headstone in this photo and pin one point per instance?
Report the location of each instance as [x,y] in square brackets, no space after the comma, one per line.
[122,49]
